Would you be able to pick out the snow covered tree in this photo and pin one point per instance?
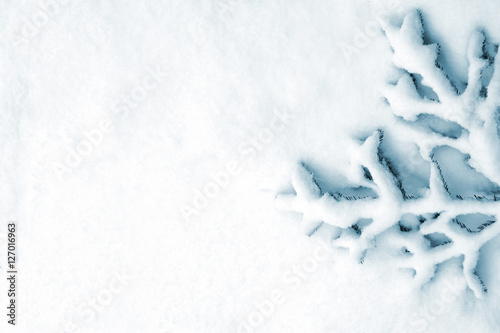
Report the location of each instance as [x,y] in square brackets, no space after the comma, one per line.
[428,229]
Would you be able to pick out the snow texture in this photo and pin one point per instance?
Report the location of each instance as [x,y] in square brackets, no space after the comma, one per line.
[425,230]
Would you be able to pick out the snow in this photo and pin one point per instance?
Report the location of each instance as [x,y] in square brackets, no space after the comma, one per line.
[198,119]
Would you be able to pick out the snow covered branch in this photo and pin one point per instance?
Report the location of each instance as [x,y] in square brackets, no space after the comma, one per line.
[428,230]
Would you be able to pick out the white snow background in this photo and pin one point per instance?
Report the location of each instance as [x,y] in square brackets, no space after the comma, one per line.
[105,246]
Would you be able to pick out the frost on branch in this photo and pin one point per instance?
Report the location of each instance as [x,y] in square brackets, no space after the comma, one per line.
[439,223]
